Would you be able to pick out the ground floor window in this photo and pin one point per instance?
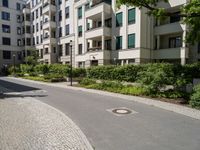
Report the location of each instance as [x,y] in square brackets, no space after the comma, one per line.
[6,54]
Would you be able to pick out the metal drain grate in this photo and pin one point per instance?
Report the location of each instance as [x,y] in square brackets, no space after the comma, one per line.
[121,111]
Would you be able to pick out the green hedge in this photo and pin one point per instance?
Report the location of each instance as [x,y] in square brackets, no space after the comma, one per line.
[195,98]
[127,73]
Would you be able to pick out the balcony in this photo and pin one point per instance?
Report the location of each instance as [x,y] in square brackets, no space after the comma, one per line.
[171,3]
[47,40]
[171,53]
[169,28]
[96,32]
[97,7]
[49,7]
[49,24]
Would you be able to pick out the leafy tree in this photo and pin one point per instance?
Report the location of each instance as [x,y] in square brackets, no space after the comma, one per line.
[190,13]
[32,58]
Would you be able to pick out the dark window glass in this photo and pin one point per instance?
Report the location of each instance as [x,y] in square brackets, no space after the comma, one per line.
[5,3]
[5,28]
[119,42]
[80,49]
[67,29]
[5,41]
[67,49]
[5,15]
[18,6]
[6,54]
[175,42]
[119,19]
[67,12]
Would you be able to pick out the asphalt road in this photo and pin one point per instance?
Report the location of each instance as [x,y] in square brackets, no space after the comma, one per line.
[148,128]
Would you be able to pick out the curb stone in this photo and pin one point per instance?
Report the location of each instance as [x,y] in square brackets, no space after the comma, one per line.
[183,110]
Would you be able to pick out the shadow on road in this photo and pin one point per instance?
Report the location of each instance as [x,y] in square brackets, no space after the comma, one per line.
[16,87]
[8,89]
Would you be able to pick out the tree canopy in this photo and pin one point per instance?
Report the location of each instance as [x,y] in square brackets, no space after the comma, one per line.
[190,13]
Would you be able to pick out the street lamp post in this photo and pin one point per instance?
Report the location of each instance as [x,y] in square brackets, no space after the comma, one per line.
[71,63]
[14,64]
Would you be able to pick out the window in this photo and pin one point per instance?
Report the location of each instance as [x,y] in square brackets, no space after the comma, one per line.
[5,3]
[18,42]
[119,42]
[6,54]
[67,29]
[119,19]
[18,6]
[59,2]
[41,38]
[80,49]
[33,41]
[40,11]
[131,41]
[41,25]
[18,18]
[131,16]
[37,27]
[87,6]
[37,40]
[67,49]
[80,31]
[5,41]
[5,15]
[60,32]
[33,29]
[5,28]
[60,15]
[175,42]
[18,30]
[28,29]
[80,13]
[33,16]
[175,17]
[67,12]
[37,13]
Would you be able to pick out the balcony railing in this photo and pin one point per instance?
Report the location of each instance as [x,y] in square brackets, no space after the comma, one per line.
[97,2]
[94,49]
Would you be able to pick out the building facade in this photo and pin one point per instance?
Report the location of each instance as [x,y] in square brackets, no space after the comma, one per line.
[11,45]
[98,33]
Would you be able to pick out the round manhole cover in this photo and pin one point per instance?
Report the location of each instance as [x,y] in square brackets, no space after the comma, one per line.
[121,111]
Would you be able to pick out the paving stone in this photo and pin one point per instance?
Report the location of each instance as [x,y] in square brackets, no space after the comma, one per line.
[28,124]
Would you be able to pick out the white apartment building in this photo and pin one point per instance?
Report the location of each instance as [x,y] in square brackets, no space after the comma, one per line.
[99,34]
[11,45]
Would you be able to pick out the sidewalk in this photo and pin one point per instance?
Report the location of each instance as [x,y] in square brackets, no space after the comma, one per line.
[27,123]
[193,113]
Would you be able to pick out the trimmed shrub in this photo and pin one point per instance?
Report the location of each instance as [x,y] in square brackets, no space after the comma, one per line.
[127,73]
[156,76]
[100,72]
[26,68]
[195,98]
[79,72]
[59,69]
[41,69]
[12,70]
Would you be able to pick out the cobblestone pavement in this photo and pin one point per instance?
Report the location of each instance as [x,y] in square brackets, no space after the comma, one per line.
[28,124]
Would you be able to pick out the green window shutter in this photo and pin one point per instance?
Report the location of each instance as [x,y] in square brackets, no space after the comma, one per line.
[131,16]
[119,19]
[119,42]
[131,40]
[80,13]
